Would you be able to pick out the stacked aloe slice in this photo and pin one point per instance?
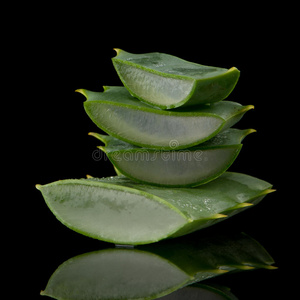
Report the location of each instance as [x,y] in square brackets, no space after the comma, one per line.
[169,136]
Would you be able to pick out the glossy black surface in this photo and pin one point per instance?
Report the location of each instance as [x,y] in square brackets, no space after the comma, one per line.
[52,143]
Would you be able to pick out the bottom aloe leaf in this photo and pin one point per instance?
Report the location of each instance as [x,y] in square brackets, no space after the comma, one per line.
[153,271]
[121,211]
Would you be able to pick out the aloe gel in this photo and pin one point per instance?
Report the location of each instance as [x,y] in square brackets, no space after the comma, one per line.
[167,81]
[122,211]
[188,167]
[119,114]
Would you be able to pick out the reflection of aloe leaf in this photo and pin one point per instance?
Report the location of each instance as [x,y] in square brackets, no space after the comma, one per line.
[153,271]
[218,255]
[121,211]
[201,291]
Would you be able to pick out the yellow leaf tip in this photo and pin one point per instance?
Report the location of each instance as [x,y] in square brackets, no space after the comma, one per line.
[221,271]
[251,131]
[38,186]
[271,267]
[232,69]
[248,107]
[82,92]
[245,267]
[218,216]
[117,50]
[268,191]
[102,148]
[245,204]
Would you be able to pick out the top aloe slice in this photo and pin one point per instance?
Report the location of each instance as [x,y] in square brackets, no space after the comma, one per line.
[152,272]
[119,114]
[167,81]
[122,211]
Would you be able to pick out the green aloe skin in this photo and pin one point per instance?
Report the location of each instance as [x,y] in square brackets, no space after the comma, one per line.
[121,211]
[175,168]
[167,81]
[174,161]
[154,271]
[119,114]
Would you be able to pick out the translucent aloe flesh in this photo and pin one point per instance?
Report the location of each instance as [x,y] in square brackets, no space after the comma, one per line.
[167,81]
[188,167]
[119,114]
[153,272]
[122,211]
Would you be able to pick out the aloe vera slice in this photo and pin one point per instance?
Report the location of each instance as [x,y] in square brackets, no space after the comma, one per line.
[121,211]
[188,167]
[167,81]
[119,114]
[153,272]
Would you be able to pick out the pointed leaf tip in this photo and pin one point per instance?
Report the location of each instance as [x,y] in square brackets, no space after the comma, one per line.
[268,191]
[251,131]
[248,107]
[271,267]
[98,136]
[81,91]
[101,148]
[117,50]
[38,186]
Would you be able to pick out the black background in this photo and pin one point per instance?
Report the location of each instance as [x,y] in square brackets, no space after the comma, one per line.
[55,56]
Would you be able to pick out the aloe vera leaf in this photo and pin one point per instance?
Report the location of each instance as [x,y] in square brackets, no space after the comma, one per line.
[121,211]
[119,114]
[153,271]
[168,82]
[188,167]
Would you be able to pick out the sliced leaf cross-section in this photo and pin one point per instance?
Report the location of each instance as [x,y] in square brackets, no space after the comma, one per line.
[119,114]
[167,81]
[187,167]
[121,211]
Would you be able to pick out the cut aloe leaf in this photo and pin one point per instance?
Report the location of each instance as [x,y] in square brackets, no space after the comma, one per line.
[156,271]
[188,167]
[119,114]
[167,81]
[121,211]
